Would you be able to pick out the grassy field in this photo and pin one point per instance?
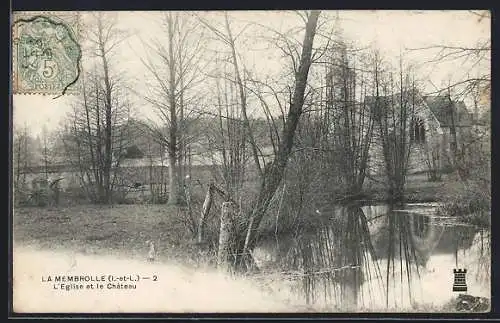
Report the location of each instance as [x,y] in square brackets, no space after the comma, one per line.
[121,229]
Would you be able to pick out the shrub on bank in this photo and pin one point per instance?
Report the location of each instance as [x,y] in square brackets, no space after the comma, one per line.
[470,202]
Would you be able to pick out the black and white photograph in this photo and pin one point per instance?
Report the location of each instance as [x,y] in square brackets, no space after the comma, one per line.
[251,161]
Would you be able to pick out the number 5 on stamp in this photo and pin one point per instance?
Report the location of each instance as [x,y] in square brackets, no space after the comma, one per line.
[46,53]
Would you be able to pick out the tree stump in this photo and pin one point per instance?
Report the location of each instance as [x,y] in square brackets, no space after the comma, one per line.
[207,204]
[226,218]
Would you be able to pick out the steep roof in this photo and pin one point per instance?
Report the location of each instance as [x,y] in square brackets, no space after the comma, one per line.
[385,102]
[442,107]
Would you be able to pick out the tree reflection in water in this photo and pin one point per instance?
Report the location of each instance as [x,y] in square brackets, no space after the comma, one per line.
[335,260]
[401,252]
[349,260]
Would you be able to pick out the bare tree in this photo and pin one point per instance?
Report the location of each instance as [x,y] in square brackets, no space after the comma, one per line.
[85,142]
[270,176]
[98,125]
[174,70]
[475,60]
[22,159]
[349,116]
[230,140]
[104,44]
[273,172]
[236,78]
[469,149]
[393,112]
[46,152]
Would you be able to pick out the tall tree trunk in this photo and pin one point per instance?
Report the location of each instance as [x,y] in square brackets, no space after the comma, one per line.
[173,197]
[108,153]
[88,133]
[181,155]
[243,99]
[273,173]
[457,165]
[99,162]
[45,156]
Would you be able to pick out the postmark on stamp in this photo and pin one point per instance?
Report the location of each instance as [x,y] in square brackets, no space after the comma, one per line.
[46,53]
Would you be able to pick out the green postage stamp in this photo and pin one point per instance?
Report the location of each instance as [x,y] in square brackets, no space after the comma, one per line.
[46,53]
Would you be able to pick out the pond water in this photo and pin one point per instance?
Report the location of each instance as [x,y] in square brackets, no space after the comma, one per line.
[377,258]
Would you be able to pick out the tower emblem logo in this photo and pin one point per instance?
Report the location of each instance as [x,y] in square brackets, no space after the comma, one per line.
[459,283]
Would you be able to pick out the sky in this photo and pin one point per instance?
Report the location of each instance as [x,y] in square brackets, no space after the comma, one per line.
[390,31]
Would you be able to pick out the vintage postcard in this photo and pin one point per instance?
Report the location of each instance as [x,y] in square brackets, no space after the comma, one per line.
[251,161]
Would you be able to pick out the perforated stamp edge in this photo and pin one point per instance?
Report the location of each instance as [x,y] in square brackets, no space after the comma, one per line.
[73,20]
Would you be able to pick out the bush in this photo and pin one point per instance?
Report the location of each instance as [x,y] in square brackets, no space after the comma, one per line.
[470,203]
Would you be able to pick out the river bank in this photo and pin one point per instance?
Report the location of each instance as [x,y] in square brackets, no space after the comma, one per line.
[51,238]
